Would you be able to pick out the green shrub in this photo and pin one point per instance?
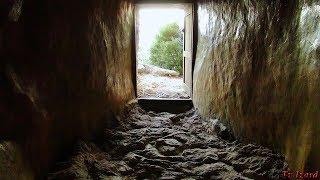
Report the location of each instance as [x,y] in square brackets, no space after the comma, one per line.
[166,50]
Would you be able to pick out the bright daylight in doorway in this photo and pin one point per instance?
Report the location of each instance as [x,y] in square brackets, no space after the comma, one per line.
[160,45]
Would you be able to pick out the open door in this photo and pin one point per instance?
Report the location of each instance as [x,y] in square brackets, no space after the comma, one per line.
[187,48]
[155,80]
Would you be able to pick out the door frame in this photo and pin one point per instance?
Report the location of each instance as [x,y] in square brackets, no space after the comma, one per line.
[188,53]
[135,41]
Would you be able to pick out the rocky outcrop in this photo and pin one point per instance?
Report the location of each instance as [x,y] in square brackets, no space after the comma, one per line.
[257,69]
[157,71]
[66,72]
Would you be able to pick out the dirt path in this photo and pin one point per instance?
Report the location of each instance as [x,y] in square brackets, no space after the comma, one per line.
[151,86]
[169,146]
[155,82]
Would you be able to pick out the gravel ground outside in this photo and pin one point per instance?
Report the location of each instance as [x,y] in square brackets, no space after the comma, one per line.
[158,83]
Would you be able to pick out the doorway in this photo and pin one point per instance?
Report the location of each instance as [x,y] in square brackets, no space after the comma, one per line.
[164,48]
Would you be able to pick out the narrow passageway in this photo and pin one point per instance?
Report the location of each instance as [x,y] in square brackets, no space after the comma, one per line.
[170,146]
[67,70]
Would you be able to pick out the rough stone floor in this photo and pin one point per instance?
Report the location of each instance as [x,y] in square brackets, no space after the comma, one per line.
[170,146]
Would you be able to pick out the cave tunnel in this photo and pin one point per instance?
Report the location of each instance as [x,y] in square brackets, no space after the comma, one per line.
[69,106]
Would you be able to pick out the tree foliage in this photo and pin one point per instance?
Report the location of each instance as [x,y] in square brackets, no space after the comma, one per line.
[166,50]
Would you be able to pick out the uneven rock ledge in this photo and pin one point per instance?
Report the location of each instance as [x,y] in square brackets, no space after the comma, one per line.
[157,71]
[170,146]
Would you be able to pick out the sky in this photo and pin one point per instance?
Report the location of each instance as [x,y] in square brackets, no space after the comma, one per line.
[150,22]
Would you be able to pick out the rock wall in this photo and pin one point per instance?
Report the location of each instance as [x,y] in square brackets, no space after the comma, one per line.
[65,72]
[258,70]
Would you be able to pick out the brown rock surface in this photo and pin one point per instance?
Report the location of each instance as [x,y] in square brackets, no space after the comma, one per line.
[257,69]
[65,72]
